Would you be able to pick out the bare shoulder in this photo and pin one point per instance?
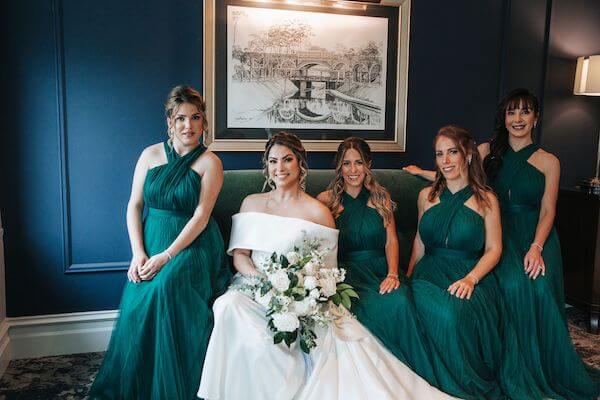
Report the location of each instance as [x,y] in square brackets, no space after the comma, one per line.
[547,159]
[317,212]
[153,155]
[254,202]
[484,149]
[207,161]
[424,195]
[325,197]
[492,200]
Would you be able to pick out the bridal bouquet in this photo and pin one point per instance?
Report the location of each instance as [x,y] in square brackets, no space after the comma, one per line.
[296,289]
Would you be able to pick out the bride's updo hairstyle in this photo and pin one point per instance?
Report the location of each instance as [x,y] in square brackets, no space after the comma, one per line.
[292,142]
[183,94]
[379,196]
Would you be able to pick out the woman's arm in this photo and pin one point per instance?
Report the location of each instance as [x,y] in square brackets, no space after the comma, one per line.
[135,206]
[212,181]
[418,248]
[464,287]
[243,263]
[533,261]
[417,171]
[391,281]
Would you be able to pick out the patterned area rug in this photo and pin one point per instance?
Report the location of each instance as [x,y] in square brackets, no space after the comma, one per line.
[70,377]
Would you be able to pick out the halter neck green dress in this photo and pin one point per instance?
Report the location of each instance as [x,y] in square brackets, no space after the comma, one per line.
[473,338]
[390,317]
[536,306]
[158,346]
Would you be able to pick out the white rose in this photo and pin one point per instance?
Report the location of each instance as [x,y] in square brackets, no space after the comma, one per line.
[302,307]
[280,281]
[293,257]
[315,294]
[285,322]
[310,282]
[310,268]
[263,300]
[328,286]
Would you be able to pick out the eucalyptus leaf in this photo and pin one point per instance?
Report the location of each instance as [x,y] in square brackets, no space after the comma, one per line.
[337,299]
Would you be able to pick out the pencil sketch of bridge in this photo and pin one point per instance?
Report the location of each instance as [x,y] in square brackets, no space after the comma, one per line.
[289,69]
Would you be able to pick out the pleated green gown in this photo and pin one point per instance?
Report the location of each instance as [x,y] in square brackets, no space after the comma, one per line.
[473,337]
[536,306]
[159,343]
[390,317]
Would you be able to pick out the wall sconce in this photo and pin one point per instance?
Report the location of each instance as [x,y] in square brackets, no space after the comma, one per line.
[587,83]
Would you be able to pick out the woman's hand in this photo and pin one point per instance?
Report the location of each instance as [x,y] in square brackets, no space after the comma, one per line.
[137,262]
[463,288]
[153,266]
[389,284]
[534,263]
[413,169]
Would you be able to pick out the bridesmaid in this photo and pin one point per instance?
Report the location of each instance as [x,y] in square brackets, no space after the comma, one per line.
[526,180]
[178,264]
[368,249]
[457,245]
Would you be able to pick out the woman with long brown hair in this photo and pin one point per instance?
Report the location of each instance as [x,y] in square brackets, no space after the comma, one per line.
[368,249]
[458,243]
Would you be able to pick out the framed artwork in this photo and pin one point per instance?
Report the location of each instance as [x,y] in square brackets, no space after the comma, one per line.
[323,73]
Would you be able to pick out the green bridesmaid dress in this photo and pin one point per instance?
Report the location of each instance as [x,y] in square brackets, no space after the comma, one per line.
[536,306]
[390,317]
[473,337]
[158,346]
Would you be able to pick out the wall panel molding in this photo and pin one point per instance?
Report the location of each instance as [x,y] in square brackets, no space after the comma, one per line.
[61,110]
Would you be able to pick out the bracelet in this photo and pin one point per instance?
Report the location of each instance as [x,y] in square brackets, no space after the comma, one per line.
[472,275]
[393,276]
[168,254]
[539,246]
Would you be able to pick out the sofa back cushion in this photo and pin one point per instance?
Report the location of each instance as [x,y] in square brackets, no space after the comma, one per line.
[404,189]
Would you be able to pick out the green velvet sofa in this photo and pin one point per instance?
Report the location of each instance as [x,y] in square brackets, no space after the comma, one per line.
[403,187]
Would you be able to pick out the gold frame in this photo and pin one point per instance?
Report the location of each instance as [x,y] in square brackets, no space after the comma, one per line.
[399,143]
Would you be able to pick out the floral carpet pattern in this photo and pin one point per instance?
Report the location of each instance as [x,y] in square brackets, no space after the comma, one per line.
[70,377]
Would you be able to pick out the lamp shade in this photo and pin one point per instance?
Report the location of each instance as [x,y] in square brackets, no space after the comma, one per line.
[587,76]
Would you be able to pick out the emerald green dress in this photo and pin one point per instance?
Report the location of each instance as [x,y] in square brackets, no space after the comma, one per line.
[158,346]
[390,317]
[536,307]
[473,337]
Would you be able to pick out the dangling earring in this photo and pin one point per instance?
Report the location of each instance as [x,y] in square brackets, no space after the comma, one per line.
[535,124]
[469,161]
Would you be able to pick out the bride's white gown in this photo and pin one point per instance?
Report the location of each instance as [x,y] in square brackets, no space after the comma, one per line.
[349,363]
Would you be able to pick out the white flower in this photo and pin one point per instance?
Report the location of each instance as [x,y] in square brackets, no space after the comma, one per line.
[293,257]
[285,322]
[310,282]
[328,286]
[314,294]
[280,281]
[310,268]
[302,307]
[263,300]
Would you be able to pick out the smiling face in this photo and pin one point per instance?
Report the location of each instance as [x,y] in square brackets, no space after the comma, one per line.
[520,120]
[449,159]
[283,166]
[353,169]
[186,125]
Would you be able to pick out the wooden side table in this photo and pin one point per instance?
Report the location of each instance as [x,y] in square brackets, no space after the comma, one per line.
[578,225]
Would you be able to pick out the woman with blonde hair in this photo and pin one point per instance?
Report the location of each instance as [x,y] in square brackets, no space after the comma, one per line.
[368,249]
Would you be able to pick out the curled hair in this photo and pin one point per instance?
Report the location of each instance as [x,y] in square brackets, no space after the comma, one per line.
[182,94]
[466,147]
[379,196]
[292,142]
[518,98]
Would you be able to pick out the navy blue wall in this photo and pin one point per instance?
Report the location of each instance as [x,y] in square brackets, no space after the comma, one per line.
[87,82]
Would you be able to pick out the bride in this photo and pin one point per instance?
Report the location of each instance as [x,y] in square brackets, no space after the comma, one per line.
[242,362]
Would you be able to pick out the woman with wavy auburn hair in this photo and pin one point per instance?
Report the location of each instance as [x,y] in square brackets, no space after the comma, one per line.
[459,304]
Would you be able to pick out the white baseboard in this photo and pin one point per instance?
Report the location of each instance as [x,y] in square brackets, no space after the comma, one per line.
[53,335]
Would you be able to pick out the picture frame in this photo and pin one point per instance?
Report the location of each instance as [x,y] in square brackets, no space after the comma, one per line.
[271,66]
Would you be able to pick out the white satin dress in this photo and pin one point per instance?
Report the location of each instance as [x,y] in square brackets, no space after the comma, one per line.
[349,363]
